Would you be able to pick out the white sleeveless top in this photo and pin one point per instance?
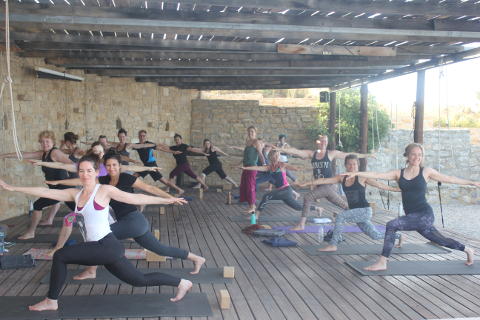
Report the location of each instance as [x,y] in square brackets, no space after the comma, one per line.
[93,223]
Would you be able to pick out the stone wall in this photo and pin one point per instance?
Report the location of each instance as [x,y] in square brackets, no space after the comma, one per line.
[89,108]
[224,122]
[447,150]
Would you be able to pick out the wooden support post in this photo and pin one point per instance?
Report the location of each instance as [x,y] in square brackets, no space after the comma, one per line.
[229,272]
[200,193]
[332,120]
[419,107]
[162,210]
[225,301]
[363,124]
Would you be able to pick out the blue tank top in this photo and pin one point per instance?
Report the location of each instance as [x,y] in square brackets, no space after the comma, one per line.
[322,168]
[355,194]
[413,192]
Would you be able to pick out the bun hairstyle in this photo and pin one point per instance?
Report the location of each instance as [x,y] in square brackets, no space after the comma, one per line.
[122,131]
[92,158]
[412,146]
[70,137]
[177,136]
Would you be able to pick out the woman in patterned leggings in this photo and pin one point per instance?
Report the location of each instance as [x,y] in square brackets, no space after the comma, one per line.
[359,210]
[418,213]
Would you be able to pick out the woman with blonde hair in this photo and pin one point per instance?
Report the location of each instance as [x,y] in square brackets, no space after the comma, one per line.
[412,181]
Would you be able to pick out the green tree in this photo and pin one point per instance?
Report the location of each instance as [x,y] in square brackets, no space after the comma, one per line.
[348,105]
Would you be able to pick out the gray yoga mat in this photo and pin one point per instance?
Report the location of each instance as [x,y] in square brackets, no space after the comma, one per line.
[351,249]
[206,276]
[418,268]
[108,306]
[262,219]
[51,238]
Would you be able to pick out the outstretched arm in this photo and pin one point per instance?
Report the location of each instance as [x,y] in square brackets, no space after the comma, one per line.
[296,152]
[139,199]
[341,155]
[437,176]
[134,168]
[67,182]
[217,149]
[391,175]
[55,194]
[26,155]
[320,181]
[380,185]
[139,184]
[196,150]
[256,168]
[56,165]
[140,145]
[125,158]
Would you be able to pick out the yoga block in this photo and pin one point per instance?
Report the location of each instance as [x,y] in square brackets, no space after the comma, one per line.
[229,272]
[227,187]
[156,233]
[200,193]
[162,210]
[153,257]
[224,299]
[219,190]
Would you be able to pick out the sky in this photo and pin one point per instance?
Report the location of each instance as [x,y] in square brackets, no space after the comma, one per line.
[452,85]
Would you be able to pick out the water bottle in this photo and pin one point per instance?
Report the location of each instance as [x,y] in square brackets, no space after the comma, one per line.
[320,234]
[253,218]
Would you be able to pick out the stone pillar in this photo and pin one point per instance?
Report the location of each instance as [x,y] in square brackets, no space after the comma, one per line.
[419,107]
[363,124]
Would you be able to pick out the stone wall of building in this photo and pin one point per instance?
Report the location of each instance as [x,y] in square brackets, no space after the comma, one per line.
[225,122]
[98,105]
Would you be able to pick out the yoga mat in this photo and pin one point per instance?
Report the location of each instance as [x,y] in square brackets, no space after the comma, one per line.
[108,306]
[41,254]
[326,228]
[246,218]
[51,238]
[206,276]
[351,249]
[55,224]
[418,268]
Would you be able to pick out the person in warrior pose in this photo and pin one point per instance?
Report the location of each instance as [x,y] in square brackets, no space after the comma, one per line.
[359,210]
[179,151]
[49,153]
[282,144]
[101,247]
[252,153]
[321,160]
[147,157]
[418,213]
[130,222]
[278,173]
[214,164]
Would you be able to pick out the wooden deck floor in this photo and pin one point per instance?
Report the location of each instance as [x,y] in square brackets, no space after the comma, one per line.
[272,283]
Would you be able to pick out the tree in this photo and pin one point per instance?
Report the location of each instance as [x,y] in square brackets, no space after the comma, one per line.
[348,106]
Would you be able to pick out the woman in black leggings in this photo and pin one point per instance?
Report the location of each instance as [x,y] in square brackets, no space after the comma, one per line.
[418,213]
[101,247]
[130,222]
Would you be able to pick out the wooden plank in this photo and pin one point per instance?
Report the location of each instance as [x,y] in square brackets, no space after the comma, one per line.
[337,50]
[21,22]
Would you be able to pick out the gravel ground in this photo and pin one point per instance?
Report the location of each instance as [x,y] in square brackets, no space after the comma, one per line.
[458,217]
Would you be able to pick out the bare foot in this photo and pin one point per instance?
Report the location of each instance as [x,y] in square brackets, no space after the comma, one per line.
[27,235]
[380,265]
[181,191]
[183,288]
[45,223]
[296,195]
[298,228]
[198,263]
[329,248]
[400,240]
[85,274]
[205,188]
[470,254]
[45,304]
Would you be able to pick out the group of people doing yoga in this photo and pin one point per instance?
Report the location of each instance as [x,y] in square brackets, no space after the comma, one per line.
[412,183]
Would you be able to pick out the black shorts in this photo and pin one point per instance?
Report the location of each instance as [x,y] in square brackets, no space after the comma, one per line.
[42,203]
[154,174]
[215,168]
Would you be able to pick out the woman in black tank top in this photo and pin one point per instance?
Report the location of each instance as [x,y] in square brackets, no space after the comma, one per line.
[47,153]
[418,214]
[359,210]
[214,164]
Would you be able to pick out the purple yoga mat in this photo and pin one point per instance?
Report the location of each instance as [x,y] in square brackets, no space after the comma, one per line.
[326,228]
